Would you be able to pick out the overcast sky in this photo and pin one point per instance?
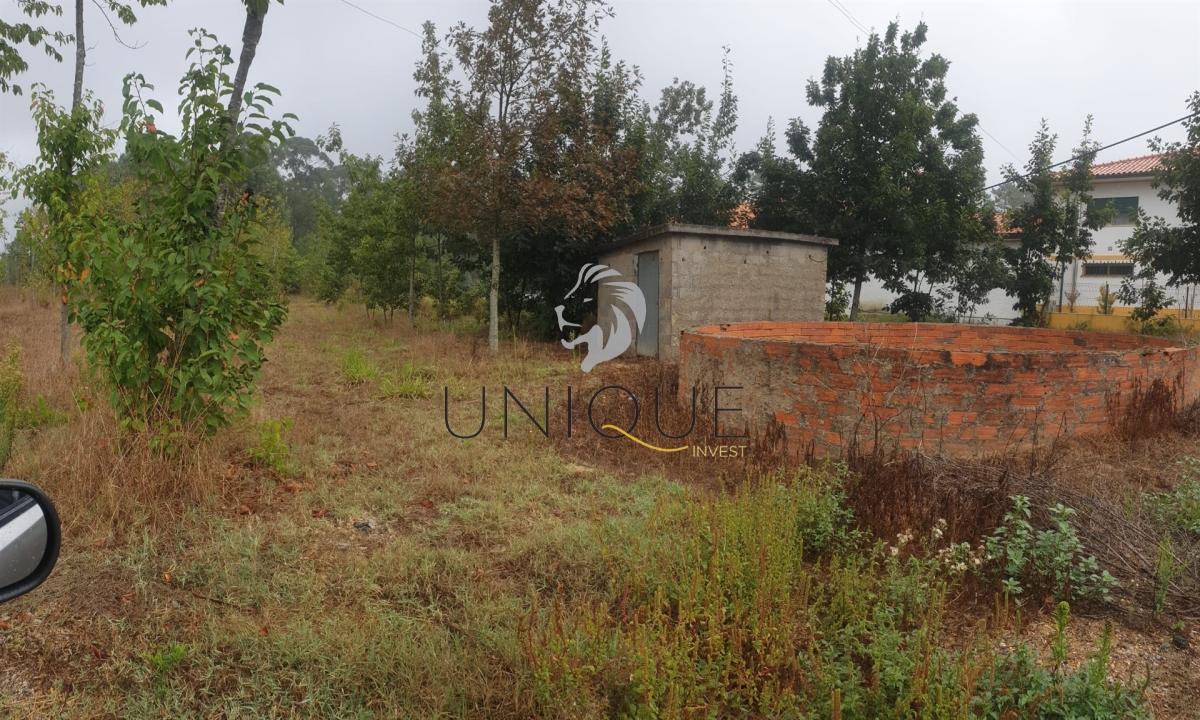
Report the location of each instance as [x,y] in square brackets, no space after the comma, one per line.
[1131,64]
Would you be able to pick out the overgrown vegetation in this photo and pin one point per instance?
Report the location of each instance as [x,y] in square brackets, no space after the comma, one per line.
[10,389]
[1051,559]
[763,604]
[301,566]
[174,304]
[337,558]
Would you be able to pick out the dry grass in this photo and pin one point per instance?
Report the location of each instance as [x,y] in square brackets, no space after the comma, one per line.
[382,568]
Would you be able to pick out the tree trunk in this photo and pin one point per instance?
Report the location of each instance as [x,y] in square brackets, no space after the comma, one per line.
[441,283]
[412,287]
[80,52]
[64,311]
[858,283]
[494,300]
[251,34]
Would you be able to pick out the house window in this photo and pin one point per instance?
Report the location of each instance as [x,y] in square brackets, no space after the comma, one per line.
[1107,269]
[1125,209]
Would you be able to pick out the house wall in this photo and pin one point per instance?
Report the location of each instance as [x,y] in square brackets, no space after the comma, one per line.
[999,305]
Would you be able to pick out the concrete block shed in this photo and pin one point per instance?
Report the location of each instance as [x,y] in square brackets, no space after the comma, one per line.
[693,275]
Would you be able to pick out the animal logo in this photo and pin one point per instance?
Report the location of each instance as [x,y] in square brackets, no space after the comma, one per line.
[611,335]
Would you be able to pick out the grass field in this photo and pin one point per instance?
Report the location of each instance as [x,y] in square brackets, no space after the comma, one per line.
[338,554]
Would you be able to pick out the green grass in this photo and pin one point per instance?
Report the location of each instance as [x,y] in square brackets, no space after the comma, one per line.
[411,382]
[356,368]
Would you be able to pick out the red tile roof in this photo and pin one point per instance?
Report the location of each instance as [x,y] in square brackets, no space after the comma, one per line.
[1129,167]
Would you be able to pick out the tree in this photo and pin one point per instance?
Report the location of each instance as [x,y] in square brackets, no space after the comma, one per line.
[685,156]
[371,239]
[66,163]
[14,35]
[1055,224]
[1008,196]
[779,188]
[176,307]
[508,68]
[71,144]
[897,171]
[1158,246]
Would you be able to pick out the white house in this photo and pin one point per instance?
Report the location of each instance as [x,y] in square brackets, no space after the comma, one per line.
[1125,185]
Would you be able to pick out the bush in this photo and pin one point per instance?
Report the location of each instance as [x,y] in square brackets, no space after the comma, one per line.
[10,387]
[174,304]
[1015,683]
[272,450]
[410,382]
[38,414]
[357,368]
[1051,559]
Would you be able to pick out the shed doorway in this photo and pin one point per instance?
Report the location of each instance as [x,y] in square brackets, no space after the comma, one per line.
[647,282]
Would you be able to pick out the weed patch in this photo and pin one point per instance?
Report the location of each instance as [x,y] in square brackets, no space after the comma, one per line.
[748,606]
[356,368]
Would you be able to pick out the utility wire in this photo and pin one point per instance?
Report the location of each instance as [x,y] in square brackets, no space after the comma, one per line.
[1101,149]
[1002,147]
[840,7]
[381,19]
[847,14]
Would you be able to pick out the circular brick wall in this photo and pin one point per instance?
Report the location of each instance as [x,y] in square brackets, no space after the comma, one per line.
[953,389]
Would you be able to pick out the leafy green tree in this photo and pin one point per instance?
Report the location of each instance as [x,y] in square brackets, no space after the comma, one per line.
[175,306]
[65,161]
[372,239]
[1055,224]
[779,188]
[686,155]
[301,178]
[15,34]
[1008,196]
[1170,248]
[897,170]
[581,180]
[507,69]
[71,144]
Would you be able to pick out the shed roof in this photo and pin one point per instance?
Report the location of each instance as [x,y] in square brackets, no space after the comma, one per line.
[724,233]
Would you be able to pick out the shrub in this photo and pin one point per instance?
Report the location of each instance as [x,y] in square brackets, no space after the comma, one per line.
[175,306]
[272,450]
[1179,509]
[10,388]
[1050,559]
[38,414]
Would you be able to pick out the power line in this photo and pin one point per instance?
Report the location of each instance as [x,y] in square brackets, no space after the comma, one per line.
[846,14]
[1101,149]
[381,19]
[1002,147]
[840,7]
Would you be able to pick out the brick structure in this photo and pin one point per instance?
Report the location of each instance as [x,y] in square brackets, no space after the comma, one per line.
[704,275]
[938,388]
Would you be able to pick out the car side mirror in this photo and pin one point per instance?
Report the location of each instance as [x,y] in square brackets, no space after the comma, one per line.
[30,537]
